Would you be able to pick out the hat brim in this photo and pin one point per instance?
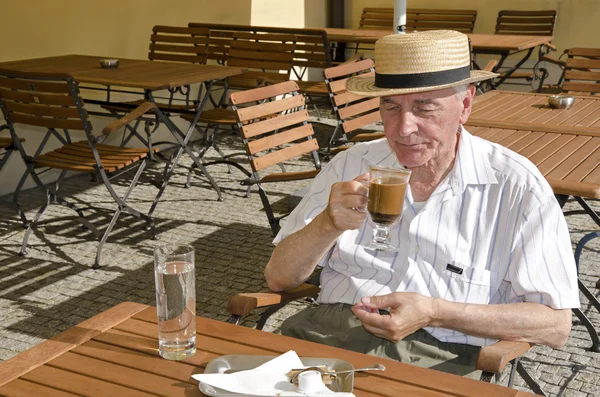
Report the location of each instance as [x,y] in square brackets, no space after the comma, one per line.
[365,86]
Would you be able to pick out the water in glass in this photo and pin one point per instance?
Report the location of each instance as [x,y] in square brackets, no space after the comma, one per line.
[176,307]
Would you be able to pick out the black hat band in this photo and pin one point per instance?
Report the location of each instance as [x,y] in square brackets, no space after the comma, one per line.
[416,80]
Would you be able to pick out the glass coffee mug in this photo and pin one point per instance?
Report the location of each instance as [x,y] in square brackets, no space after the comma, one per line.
[387,188]
[175,301]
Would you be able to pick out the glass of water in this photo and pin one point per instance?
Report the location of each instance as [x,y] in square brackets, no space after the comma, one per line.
[175,300]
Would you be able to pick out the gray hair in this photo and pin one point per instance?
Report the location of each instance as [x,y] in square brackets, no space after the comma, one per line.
[461,91]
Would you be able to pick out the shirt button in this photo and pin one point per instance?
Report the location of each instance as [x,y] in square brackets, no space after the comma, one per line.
[417,248]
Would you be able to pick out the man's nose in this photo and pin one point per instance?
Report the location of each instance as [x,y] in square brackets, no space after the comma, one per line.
[405,123]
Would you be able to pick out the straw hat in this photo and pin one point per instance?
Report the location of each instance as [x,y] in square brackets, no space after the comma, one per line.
[417,62]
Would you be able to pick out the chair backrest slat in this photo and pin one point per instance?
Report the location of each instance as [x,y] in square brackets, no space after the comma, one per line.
[179,44]
[358,108]
[42,100]
[312,45]
[253,129]
[268,52]
[582,71]
[352,111]
[274,130]
[420,19]
[535,22]
[269,108]
[361,122]
[282,138]
[287,153]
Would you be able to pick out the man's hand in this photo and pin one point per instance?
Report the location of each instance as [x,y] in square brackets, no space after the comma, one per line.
[409,312]
[347,208]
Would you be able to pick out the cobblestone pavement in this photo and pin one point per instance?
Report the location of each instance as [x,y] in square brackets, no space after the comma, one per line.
[54,288]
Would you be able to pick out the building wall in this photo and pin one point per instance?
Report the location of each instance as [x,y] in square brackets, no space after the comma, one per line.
[577,21]
[120,29]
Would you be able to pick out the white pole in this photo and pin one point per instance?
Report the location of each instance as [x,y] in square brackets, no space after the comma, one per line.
[400,16]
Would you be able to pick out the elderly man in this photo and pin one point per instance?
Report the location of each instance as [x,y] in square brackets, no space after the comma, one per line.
[484,251]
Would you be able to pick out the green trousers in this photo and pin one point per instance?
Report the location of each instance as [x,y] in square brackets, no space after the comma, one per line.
[336,325]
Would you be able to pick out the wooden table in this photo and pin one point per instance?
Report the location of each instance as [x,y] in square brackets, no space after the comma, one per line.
[563,143]
[503,45]
[134,73]
[115,354]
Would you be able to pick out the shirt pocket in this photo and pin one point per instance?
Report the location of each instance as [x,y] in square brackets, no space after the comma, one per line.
[463,283]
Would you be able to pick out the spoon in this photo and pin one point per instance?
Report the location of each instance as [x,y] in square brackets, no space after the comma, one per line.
[375,367]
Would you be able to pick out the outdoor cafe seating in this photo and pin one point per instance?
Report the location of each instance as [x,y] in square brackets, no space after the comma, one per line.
[247,107]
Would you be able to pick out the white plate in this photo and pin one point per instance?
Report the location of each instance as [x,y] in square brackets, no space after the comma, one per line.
[241,362]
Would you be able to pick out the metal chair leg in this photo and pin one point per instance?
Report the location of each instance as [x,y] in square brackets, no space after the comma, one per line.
[273,221]
[111,225]
[529,380]
[34,222]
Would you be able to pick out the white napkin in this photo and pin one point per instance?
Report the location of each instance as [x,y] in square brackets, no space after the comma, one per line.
[268,379]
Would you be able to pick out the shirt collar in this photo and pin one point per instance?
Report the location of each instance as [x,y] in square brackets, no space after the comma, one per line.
[472,165]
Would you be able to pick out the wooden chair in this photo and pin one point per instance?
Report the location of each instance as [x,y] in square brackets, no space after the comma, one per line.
[274,131]
[536,23]
[170,44]
[52,101]
[419,19]
[582,71]
[492,359]
[7,147]
[269,59]
[517,22]
[268,56]
[353,112]
[312,52]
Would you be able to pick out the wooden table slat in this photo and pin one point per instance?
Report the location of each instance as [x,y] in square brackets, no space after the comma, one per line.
[78,384]
[148,346]
[550,148]
[23,388]
[54,347]
[492,107]
[527,138]
[133,358]
[569,164]
[563,153]
[500,135]
[513,137]
[576,118]
[122,375]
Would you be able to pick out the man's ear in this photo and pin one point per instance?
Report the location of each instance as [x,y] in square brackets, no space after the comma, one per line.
[467,103]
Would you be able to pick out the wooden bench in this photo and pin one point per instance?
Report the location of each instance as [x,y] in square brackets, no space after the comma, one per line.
[312,51]
[419,19]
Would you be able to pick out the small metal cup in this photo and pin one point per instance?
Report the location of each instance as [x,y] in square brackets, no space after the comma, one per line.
[109,63]
[560,102]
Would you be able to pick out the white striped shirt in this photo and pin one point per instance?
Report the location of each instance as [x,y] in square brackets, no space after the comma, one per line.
[494,217]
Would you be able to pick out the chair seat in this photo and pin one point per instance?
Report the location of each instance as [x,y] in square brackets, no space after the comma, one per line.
[213,116]
[124,107]
[520,75]
[289,176]
[313,88]
[5,142]
[78,157]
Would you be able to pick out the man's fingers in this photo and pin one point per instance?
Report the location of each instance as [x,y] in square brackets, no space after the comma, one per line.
[381,301]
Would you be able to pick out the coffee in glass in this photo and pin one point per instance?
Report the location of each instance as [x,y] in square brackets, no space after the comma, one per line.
[387,187]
